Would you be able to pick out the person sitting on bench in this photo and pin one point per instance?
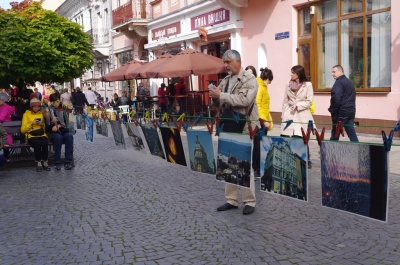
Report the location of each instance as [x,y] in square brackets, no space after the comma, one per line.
[33,125]
[59,133]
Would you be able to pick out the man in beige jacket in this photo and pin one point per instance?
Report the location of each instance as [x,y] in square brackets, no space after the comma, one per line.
[239,94]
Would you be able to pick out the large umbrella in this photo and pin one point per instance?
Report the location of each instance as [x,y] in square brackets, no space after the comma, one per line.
[119,74]
[142,71]
[186,63]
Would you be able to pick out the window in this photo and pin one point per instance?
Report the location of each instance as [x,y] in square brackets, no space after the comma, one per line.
[353,33]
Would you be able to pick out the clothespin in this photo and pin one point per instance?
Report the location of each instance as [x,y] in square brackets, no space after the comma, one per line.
[165,116]
[261,132]
[397,127]
[132,112]
[251,131]
[387,141]
[185,126]
[140,121]
[217,120]
[320,137]
[198,119]
[210,127]
[339,129]
[159,123]
[147,115]
[136,122]
[306,137]
[288,122]
[219,129]
[182,117]
[89,109]
[236,117]
[310,126]
[178,125]
[154,124]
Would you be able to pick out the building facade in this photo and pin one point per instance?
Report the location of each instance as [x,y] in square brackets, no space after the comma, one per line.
[360,35]
[95,18]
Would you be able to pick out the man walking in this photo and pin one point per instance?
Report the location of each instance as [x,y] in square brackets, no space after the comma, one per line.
[91,97]
[343,104]
[237,91]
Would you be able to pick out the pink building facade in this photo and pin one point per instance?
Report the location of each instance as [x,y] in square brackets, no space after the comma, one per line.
[320,34]
[358,34]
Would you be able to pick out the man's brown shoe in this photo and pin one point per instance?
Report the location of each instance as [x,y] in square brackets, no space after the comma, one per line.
[225,207]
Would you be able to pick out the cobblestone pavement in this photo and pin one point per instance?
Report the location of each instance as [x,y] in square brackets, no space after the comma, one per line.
[122,206]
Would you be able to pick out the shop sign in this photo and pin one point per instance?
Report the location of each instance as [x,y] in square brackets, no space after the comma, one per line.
[166,31]
[282,35]
[211,18]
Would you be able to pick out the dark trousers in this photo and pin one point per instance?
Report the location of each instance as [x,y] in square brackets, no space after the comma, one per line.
[163,107]
[58,139]
[348,125]
[256,156]
[40,147]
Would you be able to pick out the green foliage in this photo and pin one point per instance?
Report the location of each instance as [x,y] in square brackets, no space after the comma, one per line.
[39,45]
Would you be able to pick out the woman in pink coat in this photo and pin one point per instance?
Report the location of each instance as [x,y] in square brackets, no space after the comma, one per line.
[5,115]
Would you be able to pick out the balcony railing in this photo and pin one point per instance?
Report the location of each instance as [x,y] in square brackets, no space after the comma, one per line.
[128,11]
[122,13]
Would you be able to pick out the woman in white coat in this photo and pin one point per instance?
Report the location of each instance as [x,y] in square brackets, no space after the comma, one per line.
[296,105]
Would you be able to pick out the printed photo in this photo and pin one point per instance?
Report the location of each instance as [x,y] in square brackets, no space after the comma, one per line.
[283,166]
[173,145]
[201,151]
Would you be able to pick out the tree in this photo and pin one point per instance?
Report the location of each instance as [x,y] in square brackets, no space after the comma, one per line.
[39,45]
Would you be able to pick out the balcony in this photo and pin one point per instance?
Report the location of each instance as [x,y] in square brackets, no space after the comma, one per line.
[122,13]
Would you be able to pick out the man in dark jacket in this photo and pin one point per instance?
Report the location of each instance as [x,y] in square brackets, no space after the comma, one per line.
[79,101]
[343,104]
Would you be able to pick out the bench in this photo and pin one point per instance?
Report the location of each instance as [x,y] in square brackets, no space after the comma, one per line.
[21,153]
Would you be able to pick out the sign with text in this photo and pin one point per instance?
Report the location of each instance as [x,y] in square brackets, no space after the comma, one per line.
[211,18]
[282,35]
[166,31]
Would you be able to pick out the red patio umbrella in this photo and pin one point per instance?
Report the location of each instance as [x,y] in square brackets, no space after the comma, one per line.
[119,74]
[141,72]
[186,63]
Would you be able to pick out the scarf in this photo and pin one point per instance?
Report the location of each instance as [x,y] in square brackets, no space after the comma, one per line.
[294,86]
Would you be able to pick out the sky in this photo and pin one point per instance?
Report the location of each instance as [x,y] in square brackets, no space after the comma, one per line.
[6,3]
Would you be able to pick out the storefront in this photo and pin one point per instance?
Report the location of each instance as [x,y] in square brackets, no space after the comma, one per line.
[207,27]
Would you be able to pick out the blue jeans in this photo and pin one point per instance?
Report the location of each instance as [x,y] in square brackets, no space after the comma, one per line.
[348,125]
[58,139]
[3,160]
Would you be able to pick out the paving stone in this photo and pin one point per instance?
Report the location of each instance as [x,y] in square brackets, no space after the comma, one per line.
[122,206]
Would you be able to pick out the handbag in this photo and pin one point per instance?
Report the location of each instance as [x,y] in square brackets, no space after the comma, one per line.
[37,132]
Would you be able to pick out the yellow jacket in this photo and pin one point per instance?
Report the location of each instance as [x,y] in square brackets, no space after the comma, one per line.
[263,100]
[27,119]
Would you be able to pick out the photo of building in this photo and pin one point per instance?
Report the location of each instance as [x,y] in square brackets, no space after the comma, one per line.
[201,151]
[284,166]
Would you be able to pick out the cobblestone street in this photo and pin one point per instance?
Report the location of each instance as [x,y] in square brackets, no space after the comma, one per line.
[123,206]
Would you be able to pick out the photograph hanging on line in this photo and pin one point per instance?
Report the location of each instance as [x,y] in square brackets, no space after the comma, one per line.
[116,129]
[173,145]
[354,178]
[136,135]
[234,159]
[153,140]
[283,166]
[201,151]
